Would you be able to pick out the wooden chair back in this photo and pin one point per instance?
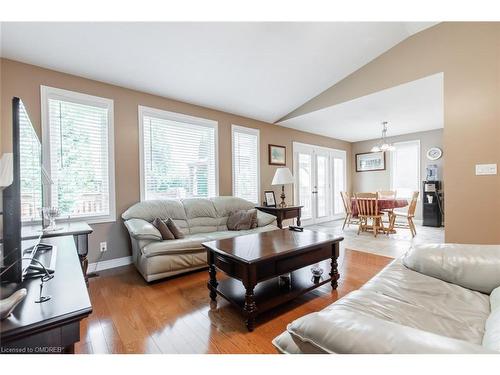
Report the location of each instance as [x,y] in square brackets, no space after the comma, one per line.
[367,204]
[413,204]
[387,194]
[347,201]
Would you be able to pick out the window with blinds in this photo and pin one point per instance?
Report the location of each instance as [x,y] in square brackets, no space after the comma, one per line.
[78,132]
[245,150]
[405,168]
[178,155]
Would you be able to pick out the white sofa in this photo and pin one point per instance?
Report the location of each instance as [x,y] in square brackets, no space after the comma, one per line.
[435,299]
[200,220]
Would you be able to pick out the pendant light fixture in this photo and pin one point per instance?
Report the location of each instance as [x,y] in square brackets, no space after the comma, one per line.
[383,145]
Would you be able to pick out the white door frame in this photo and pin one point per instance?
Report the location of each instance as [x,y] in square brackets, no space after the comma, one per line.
[315,150]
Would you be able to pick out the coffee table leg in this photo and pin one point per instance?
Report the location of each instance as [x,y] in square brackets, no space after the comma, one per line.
[212,284]
[334,273]
[250,308]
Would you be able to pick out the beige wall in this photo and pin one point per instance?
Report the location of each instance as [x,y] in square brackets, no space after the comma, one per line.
[381,180]
[24,81]
[468,54]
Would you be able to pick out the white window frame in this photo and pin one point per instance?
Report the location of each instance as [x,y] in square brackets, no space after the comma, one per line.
[252,131]
[393,164]
[47,93]
[179,117]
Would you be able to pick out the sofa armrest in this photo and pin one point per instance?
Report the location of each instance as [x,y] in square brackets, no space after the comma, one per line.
[475,267]
[140,229]
[342,331]
[263,219]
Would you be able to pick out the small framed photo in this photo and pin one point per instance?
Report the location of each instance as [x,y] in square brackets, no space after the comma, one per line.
[277,155]
[269,199]
[370,161]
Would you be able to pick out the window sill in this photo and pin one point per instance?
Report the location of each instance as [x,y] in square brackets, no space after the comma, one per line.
[87,219]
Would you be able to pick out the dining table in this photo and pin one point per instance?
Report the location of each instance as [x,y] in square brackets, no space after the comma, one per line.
[384,204]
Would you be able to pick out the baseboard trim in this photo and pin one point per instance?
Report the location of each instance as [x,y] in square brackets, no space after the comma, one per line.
[107,264]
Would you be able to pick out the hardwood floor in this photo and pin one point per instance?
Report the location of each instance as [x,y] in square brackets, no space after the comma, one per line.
[175,316]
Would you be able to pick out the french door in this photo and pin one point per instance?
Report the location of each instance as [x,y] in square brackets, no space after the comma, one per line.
[320,176]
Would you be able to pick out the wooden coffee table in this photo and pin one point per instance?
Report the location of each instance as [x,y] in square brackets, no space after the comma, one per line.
[254,263]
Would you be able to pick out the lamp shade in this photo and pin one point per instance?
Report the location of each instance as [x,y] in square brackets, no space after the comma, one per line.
[6,170]
[283,176]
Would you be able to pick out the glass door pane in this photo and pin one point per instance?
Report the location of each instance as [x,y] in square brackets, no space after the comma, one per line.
[339,184]
[305,184]
[322,185]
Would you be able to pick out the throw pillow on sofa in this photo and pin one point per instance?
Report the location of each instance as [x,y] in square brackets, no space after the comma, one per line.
[166,233]
[174,229]
[242,220]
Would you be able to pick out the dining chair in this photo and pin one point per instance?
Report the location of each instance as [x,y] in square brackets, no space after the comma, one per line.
[367,204]
[387,194]
[408,215]
[349,218]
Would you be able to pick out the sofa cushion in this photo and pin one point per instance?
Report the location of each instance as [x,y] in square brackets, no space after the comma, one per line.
[424,302]
[340,330]
[472,266]
[172,227]
[191,243]
[242,219]
[495,299]
[162,227]
[491,339]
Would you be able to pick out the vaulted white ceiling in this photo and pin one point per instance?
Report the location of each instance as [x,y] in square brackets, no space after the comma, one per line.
[412,107]
[259,70]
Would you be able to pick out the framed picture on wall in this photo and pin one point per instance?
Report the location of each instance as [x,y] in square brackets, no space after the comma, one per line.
[269,199]
[370,161]
[277,155]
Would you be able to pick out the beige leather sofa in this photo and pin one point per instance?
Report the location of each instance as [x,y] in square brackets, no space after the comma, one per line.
[200,220]
[435,299]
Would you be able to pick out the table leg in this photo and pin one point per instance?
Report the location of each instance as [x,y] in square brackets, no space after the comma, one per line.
[212,284]
[250,308]
[82,247]
[279,220]
[334,273]
[298,218]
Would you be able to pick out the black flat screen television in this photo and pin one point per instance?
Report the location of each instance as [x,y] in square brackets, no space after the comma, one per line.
[23,197]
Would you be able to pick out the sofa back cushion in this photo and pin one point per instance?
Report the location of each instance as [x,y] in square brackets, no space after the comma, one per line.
[163,209]
[201,215]
[473,267]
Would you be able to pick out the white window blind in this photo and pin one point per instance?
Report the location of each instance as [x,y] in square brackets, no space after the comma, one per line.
[405,171]
[80,154]
[246,152]
[178,158]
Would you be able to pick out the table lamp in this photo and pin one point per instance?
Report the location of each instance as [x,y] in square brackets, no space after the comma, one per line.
[282,177]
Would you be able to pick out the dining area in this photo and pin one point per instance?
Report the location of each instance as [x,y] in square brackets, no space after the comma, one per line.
[380,212]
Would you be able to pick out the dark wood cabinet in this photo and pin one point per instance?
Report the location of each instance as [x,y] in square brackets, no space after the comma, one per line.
[52,326]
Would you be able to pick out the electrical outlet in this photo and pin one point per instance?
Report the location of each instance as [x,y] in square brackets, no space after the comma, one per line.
[103,247]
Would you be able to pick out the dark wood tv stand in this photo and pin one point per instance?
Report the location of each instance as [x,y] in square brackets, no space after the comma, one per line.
[52,326]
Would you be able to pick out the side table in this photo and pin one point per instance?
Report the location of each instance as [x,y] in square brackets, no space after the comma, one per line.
[283,213]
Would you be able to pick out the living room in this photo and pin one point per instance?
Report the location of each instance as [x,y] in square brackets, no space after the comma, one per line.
[190,195]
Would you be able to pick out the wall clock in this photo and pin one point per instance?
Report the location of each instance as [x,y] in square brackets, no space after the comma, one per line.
[434,153]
